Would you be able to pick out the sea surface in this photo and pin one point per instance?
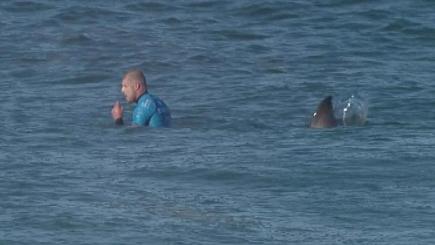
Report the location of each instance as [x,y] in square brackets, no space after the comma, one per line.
[239,166]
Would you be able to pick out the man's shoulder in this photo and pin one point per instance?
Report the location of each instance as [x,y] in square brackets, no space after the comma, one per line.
[156,99]
[145,101]
[151,100]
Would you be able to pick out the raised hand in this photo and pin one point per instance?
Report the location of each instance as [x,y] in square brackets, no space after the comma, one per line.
[117,111]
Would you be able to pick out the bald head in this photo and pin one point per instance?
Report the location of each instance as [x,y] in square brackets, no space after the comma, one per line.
[133,85]
[135,75]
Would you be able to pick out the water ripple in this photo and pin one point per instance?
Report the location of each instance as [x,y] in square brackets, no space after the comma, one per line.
[239,165]
[27,7]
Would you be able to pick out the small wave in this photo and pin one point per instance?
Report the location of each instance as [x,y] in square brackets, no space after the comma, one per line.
[256,10]
[84,15]
[410,28]
[202,58]
[343,3]
[149,7]
[81,38]
[172,21]
[79,79]
[27,6]
[268,11]
[240,35]
[375,14]
[208,4]
[259,48]
[400,25]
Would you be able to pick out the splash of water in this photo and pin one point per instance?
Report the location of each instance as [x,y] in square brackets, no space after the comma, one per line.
[352,111]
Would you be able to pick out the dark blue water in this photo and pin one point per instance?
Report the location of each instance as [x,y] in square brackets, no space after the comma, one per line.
[239,166]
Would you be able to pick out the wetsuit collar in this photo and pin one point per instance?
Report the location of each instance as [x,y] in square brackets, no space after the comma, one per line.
[140,96]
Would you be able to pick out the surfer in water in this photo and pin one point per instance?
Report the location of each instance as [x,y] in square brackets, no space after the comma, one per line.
[150,110]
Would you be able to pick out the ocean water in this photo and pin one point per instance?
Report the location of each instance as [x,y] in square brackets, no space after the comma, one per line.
[239,165]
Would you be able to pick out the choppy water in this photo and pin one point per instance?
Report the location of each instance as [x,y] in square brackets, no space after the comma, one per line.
[239,166]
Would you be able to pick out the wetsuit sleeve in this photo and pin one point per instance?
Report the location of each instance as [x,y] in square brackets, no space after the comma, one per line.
[143,112]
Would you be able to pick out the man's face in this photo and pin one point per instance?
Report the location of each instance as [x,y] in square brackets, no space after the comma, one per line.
[129,91]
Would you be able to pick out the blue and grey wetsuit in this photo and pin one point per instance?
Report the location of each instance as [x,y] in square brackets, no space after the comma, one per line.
[151,111]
